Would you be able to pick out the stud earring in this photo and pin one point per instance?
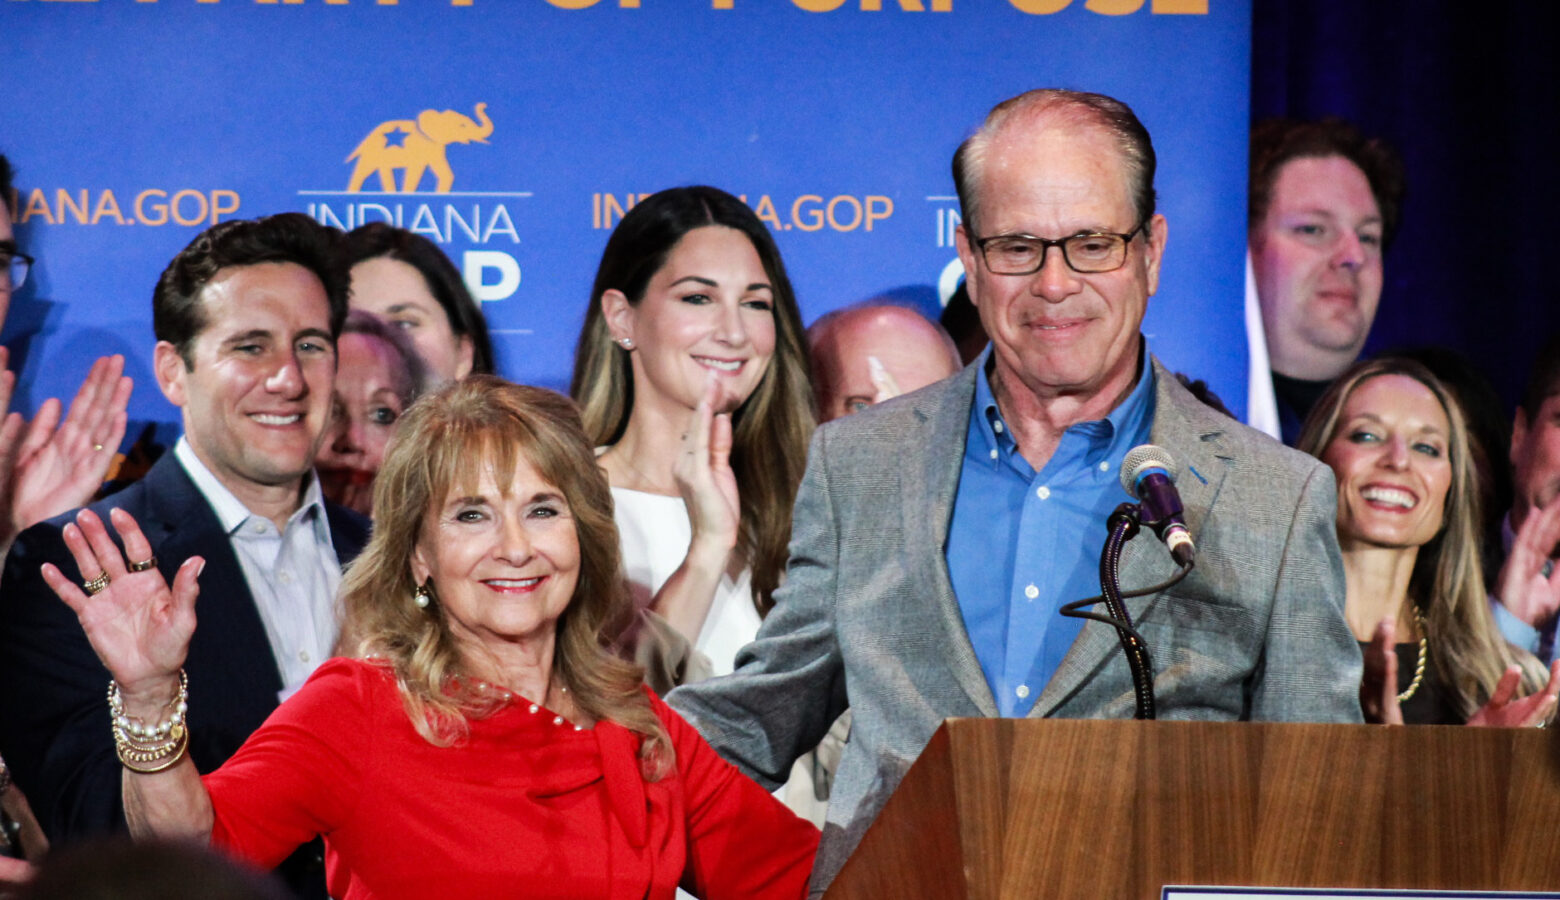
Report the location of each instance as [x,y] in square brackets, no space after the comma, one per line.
[626,343]
[422,596]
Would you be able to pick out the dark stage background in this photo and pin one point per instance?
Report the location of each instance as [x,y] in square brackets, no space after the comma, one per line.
[1470,94]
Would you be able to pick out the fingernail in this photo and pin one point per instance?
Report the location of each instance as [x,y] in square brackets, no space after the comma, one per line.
[199,568]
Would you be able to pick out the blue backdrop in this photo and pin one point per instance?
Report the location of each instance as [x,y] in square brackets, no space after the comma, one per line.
[135,124]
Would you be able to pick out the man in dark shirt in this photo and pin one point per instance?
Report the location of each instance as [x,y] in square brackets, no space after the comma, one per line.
[1324,204]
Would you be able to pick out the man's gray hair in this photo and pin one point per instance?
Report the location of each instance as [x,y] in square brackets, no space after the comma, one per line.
[1117,118]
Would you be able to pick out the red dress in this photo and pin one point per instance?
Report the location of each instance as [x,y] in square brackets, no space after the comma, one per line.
[528,806]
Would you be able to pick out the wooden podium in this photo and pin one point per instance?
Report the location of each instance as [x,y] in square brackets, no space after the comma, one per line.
[1011,808]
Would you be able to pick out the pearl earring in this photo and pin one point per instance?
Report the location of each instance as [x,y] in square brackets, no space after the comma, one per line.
[422,596]
[626,343]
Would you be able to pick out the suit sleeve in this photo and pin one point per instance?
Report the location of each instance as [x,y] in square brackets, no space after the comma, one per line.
[789,685]
[1311,667]
[742,842]
[54,720]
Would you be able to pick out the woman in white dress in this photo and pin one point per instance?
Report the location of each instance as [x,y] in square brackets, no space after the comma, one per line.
[691,373]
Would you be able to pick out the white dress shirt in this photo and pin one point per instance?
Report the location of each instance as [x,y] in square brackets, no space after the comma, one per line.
[292,575]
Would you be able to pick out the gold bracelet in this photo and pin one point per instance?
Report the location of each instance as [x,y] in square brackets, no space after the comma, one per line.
[151,760]
[148,749]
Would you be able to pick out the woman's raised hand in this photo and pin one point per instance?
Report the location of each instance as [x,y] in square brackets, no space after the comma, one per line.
[1378,687]
[139,628]
[1534,709]
[1523,586]
[705,480]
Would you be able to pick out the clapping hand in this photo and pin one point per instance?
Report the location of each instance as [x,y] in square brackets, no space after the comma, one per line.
[49,466]
[1534,709]
[1378,686]
[1522,586]
[705,480]
[709,491]
[139,627]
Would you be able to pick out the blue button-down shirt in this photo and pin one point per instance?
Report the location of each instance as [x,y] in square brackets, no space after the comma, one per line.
[1023,543]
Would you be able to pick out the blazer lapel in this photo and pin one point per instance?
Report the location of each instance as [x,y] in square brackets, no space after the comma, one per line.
[348,532]
[229,634]
[1193,434]
[931,481]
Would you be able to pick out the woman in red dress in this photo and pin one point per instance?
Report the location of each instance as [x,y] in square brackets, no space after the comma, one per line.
[479,737]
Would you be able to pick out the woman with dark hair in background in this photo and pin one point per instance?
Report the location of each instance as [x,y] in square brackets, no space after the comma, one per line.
[1408,526]
[405,279]
[478,738]
[691,372]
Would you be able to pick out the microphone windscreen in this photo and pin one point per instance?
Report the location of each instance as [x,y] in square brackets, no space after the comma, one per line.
[1141,458]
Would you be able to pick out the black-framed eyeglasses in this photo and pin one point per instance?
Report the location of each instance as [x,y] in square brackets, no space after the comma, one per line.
[17,265]
[1089,253]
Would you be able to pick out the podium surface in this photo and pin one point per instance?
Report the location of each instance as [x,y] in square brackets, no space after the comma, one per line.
[1009,808]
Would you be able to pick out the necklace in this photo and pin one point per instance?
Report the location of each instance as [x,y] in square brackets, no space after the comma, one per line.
[504,695]
[646,484]
[1424,655]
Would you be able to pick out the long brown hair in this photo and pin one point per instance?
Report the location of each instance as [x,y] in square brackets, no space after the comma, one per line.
[770,431]
[1447,583]
[444,442]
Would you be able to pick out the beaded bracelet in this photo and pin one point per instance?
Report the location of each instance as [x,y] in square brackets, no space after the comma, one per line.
[148,749]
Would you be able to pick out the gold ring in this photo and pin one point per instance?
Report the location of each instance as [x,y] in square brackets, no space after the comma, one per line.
[148,563]
[97,448]
[96,584]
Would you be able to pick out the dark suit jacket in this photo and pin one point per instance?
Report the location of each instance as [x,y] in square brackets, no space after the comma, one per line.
[54,724]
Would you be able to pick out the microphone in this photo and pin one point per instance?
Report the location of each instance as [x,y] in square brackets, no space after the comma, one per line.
[1148,473]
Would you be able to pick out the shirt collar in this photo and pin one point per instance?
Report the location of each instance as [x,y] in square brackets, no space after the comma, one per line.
[1110,437]
[231,511]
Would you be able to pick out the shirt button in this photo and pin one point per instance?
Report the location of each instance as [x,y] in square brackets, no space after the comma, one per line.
[258,528]
[993,453]
[286,578]
[1031,592]
[303,656]
[1104,465]
[997,426]
[1043,492]
[1023,691]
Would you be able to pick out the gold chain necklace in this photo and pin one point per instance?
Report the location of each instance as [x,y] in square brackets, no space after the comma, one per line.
[1424,655]
[646,484]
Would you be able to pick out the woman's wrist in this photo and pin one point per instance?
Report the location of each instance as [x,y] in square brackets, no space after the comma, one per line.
[148,745]
[148,697]
[710,552]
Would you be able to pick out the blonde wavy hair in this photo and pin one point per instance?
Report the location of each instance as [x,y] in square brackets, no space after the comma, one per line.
[443,443]
[771,430]
[1447,584]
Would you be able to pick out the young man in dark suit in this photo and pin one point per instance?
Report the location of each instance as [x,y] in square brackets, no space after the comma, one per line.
[246,319]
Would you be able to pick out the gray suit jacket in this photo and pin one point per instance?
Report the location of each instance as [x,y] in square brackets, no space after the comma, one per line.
[867,618]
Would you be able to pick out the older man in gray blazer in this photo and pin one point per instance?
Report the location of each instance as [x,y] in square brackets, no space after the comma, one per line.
[920,521]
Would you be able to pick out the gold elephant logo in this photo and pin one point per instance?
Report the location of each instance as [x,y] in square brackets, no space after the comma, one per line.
[414,146]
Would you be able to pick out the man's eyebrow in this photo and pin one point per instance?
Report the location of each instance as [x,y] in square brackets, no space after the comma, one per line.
[315,332]
[1329,214]
[252,334]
